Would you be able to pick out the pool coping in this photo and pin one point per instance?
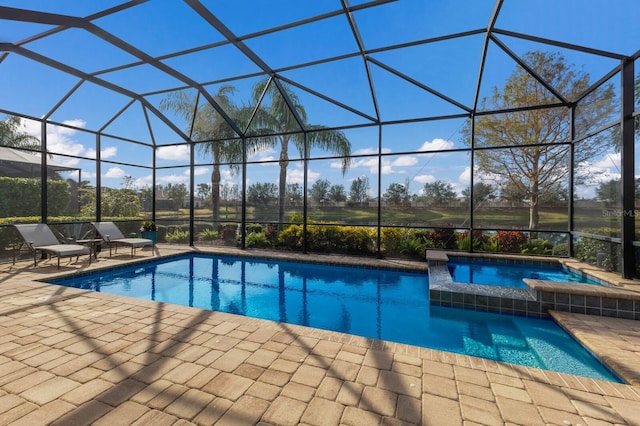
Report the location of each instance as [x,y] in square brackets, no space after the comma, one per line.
[618,355]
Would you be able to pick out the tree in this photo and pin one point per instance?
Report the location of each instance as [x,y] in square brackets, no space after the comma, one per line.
[122,202]
[319,191]
[294,193]
[146,198]
[554,194]
[220,140]
[176,192]
[262,193]
[439,192]
[276,125]
[204,190]
[481,192]
[611,191]
[337,193]
[397,193]
[359,192]
[12,136]
[81,193]
[530,159]
[229,192]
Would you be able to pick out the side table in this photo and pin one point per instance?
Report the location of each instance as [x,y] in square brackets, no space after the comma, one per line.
[92,243]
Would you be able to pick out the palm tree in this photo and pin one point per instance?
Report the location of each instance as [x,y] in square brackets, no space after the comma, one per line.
[277,119]
[11,136]
[220,140]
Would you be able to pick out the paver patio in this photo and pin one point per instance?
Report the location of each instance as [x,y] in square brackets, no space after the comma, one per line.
[70,356]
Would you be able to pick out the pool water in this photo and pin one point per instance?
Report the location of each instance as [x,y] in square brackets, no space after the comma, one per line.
[375,303]
[485,272]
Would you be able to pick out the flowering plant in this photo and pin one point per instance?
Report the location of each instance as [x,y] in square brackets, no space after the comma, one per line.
[147,225]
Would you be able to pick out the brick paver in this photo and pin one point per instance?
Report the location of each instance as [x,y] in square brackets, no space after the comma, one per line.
[74,357]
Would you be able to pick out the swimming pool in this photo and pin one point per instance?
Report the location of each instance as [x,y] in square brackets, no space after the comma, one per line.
[485,272]
[383,304]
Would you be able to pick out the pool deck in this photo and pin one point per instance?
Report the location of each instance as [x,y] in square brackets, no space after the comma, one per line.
[69,356]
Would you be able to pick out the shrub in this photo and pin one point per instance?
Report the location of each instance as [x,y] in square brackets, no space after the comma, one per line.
[510,241]
[21,196]
[463,241]
[537,247]
[603,254]
[392,239]
[258,240]
[444,238]
[561,249]
[208,235]
[178,236]
[491,246]
[328,238]
[271,233]
[291,237]
[253,227]
[416,244]
[230,232]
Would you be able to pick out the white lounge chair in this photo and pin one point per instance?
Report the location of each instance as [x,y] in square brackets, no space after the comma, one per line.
[40,238]
[112,235]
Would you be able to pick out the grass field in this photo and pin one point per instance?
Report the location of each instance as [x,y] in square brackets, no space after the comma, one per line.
[550,219]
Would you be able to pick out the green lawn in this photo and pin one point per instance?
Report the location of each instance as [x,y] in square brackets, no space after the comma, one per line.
[552,219]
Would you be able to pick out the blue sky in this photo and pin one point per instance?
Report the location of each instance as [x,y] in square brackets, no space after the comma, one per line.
[162,27]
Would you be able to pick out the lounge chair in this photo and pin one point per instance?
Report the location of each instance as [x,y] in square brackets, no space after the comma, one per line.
[40,238]
[112,235]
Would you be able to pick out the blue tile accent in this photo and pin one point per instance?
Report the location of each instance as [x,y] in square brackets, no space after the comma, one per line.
[445,292]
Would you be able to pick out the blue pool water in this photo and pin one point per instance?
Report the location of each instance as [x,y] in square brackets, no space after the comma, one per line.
[485,272]
[376,303]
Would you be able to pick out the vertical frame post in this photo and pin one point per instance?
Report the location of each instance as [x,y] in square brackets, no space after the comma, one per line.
[627,169]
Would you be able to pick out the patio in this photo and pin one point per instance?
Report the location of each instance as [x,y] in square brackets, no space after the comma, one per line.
[78,357]
[372,127]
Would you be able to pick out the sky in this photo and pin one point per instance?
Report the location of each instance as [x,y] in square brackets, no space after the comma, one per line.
[160,27]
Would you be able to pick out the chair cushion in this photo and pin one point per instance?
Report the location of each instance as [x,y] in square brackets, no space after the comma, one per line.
[63,250]
[135,242]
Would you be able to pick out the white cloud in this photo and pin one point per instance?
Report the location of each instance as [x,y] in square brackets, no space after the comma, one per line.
[297,176]
[226,174]
[465,176]
[436,145]
[424,179]
[65,161]
[386,169]
[199,171]
[173,152]
[107,152]
[264,155]
[371,151]
[77,122]
[114,172]
[144,181]
[389,165]
[31,127]
[338,164]
[611,160]
[172,179]
[370,163]
[602,170]
[405,161]
[61,140]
